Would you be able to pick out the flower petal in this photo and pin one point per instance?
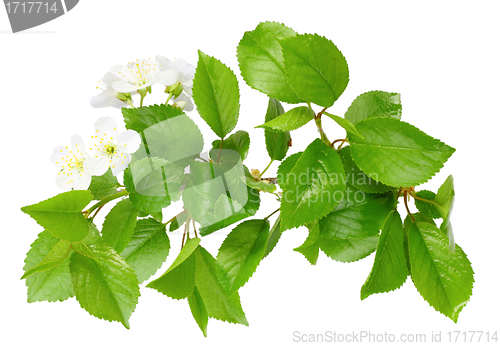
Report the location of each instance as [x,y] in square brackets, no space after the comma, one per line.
[106,131]
[124,87]
[107,98]
[119,164]
[168,77]
[128,142]
[81,181]
[78,146]
[63,181]
[59,156]
[165,63]
[96,165]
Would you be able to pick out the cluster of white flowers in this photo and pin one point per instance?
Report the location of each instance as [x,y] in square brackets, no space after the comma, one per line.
[109,150]
[121,82]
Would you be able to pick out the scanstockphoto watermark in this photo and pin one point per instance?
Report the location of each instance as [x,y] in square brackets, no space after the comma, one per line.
[367,337]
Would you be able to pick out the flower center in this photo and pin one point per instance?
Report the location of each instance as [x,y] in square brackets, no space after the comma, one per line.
[110,149]
[77,165]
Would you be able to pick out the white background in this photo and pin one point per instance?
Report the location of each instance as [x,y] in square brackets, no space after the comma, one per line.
[442,56]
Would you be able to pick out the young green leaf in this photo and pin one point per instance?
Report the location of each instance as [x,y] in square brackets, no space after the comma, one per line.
[426,208]
[241,253]
[350,231]
[397,153]
[178,221]
[217,302]
[357,178]
[274,237]
[345,124]
[291,120]
[314,186]
[286,167]
[262,185]
[107,288]
[445,197]
[390,269]
[141,118]
[178,281]
[216,94]
[119,225]
[103,186]
[277,143]
[55,257]
[261,61]
[374,104]
[443,279]
[52,284]
[62,215]
[310,248]
[199,310]
[148,248]
[315,68]
[238,141]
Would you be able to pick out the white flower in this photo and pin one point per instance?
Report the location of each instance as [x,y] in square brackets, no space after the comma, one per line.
[178,71]
[184,102]
[137,75]
[108,96]
[110,148]
[73,165]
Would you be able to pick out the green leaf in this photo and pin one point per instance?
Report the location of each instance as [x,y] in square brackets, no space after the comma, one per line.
[374,104]
[216,94]
[291,120]
[119,225]
[286,167]
[261,61]
[148,248]
[390,269]
[443,279]
[107,288]
[238,141]
[55,257]
[345,124]
[198,310]
[262,185]
[141,118]
[427,208]
[406,227]
[350,231]
[357,178]
[103,186]
[178,281]
[397,153]
[315,68]
[178,221]
[218,304]
[310,248]
[274,237]
[153,183]
[50,285]
[241,253]
[317,175]
[445,197]
[277,143]
[61,215]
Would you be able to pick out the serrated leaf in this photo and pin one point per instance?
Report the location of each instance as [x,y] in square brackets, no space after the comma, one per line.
[55,257]
[261,61]
[274,237]
[119,225]
[344,123]
[178,221]
[374,104]
[390,269]
[315,68]
[61,215]
[241,253]
[310,248]
[216,94]
[286,167]
[357,178]
[198,310]
[277,143]
[418,217]
[316,175]
[397,153]
[291,120]
[427,208]
[52,284]
[218,304]
[178,281]
[107,289]
[148,248]
[443,279]
[350,231]
[141,118]
[238,141]
[103,186]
